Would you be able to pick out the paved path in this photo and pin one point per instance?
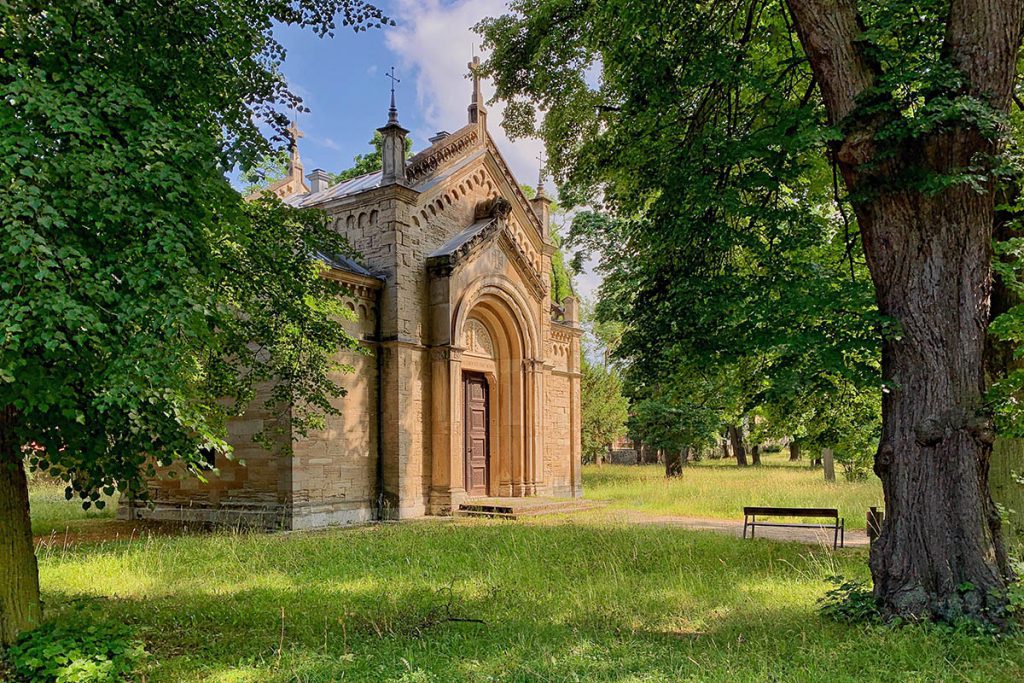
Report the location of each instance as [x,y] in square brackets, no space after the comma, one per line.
[854,539]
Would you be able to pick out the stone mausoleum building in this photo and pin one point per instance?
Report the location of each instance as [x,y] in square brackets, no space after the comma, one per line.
[470,385]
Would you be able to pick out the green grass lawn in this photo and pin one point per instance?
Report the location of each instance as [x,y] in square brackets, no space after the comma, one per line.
[53,513]
[719,489]
[581,599]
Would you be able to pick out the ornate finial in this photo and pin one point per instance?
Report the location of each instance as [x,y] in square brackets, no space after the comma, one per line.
[474,73]
[393,111]
[476,105]
[294,135]
[540,175]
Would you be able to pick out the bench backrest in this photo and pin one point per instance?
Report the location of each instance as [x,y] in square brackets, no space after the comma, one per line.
[792,512]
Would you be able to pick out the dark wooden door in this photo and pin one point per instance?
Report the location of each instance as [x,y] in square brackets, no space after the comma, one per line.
[477,439]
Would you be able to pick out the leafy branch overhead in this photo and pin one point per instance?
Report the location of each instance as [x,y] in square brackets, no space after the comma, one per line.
[144,302]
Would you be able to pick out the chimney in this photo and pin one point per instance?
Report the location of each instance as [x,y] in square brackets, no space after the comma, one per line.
[440,135]
[318,180]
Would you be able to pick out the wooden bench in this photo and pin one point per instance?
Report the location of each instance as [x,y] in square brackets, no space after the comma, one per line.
[837,526]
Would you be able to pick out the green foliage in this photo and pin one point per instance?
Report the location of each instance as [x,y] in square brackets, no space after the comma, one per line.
[272,167]
[849,602]
[370,162]
[603,408]
[728,250]
[77,649]
[143,301]
[671,426]
[561,280]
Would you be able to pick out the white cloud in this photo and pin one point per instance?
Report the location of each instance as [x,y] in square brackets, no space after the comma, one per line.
[329,144]
[435,42]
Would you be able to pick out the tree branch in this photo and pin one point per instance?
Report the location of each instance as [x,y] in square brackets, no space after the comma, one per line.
[982,39]
[828,31]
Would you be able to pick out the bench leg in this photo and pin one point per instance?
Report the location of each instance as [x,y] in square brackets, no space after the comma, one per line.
[753,526]
[835,536]
[842,533]
[744,527]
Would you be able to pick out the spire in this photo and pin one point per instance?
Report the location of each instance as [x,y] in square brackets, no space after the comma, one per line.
[477,111]
[541,202]
[540,176]
[393,110]
[294,161]
[393,148]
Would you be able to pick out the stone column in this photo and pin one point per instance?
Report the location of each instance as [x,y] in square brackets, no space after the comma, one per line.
[457,491]
[535,421]
[446,483]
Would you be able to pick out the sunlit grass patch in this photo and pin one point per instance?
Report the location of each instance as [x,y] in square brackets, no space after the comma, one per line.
[576,600]
[720,489]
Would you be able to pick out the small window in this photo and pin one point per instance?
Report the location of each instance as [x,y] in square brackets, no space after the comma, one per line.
[209,457]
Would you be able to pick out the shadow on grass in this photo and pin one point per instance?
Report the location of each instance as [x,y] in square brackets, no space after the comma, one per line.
[558,602]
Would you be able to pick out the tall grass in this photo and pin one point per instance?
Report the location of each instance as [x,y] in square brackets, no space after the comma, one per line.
[474,600]
[53,512]
[498,601]
[720,489]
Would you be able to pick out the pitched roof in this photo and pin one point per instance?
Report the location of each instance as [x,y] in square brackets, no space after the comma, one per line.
[342,262]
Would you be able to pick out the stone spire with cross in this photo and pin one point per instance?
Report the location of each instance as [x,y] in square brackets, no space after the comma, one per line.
[294,160]
[393,147]
[540,176]
[477,111]
[541,202]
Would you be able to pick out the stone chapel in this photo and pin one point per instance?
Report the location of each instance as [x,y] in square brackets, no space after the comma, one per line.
[470,385]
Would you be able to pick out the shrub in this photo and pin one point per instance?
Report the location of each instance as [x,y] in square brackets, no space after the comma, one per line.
[76,650]
[850,602]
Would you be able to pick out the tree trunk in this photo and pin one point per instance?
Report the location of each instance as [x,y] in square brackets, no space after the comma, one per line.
[674,463]
[725,449]
[20,608]
[829,464]
[755,454]
[794,451]
[940,554]
[942,530]
[736,438]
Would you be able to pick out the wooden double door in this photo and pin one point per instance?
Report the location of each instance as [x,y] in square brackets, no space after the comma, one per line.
[476,439]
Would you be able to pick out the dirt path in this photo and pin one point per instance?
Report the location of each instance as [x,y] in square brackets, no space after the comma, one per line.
[854,539]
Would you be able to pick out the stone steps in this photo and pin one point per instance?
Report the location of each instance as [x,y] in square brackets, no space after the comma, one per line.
[525,507]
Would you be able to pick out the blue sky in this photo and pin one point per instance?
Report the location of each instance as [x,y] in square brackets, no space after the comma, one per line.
[342,81]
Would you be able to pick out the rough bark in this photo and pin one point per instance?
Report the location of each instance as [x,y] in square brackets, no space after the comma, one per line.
[940,554]
[20,608]
[794,451]
[738,449]
[674,463]
[755,454]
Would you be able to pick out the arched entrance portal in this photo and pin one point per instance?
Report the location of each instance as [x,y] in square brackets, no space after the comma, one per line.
[493,351]
[489,386]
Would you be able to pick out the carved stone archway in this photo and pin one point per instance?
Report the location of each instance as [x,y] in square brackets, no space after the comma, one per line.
[492,333]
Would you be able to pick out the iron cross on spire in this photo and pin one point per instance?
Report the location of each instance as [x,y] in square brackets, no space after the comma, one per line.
[540,173]
[393,111]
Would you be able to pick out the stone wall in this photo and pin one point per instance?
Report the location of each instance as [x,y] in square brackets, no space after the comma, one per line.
[248,489]
[334,470]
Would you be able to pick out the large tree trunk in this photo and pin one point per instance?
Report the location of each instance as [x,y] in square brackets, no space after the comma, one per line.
[755,454]
[794,451]
[20,609]
[930,259]
[940,554]
[736,438]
